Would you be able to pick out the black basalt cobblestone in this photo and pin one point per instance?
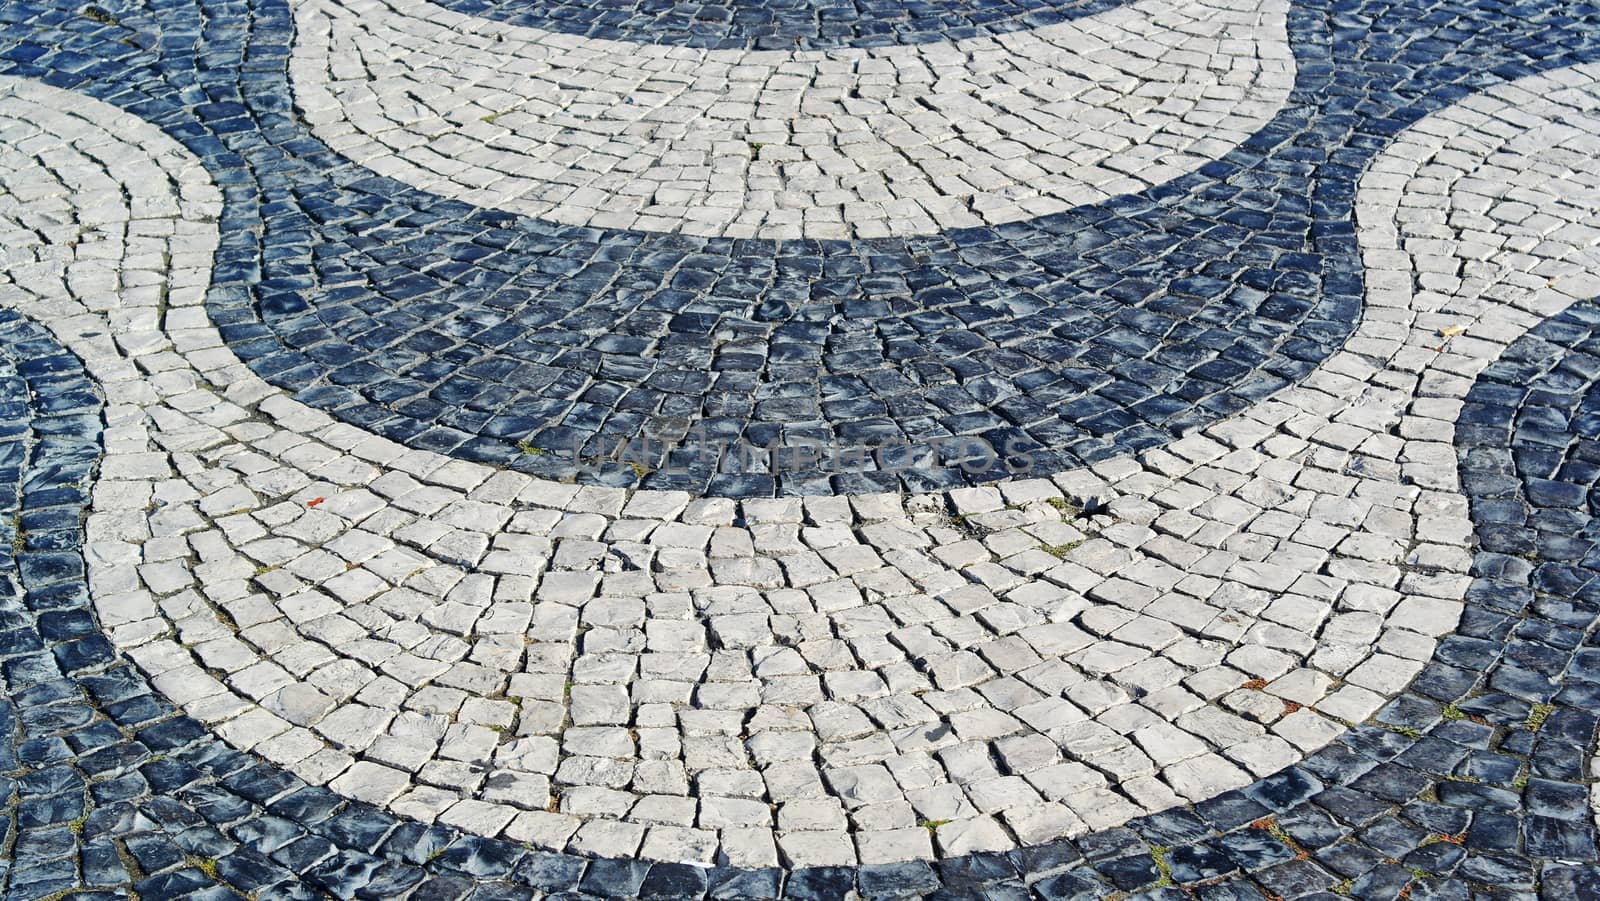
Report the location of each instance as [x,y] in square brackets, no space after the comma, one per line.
[790,25]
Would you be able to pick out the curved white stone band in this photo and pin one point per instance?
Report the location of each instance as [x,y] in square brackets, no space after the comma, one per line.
[776,681]
[822,144]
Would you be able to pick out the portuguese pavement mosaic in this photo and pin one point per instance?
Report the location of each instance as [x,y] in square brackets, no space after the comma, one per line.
[1029,449]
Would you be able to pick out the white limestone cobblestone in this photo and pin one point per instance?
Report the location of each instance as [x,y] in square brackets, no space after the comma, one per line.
[882,677]
[843,143]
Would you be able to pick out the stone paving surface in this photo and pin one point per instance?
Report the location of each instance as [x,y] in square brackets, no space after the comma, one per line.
[1332,637]
[809,25]
[675,362]
[786,145]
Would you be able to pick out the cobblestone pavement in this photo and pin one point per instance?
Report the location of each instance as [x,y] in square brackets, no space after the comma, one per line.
[783,26]
[786,145]
[356,547]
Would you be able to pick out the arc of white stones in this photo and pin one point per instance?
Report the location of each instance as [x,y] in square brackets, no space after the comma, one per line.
[821,144]
[1306,552]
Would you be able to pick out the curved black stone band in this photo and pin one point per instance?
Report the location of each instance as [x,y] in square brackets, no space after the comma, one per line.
[1475,777]
[666,361]
[1057,342]
[782,24]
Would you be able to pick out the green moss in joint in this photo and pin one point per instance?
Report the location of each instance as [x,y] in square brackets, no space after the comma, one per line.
[1538,715]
